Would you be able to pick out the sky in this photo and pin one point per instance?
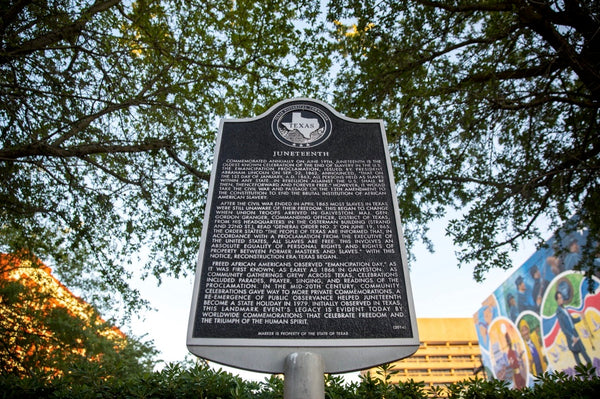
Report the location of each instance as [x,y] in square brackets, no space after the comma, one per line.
[439,289]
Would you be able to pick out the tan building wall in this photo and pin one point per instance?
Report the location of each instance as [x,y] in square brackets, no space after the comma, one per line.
[449,352]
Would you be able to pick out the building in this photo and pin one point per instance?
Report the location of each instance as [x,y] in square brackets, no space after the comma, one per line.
[449,352]
[545,317]
[43,323]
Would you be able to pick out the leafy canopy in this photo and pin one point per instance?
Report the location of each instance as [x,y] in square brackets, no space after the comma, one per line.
[108,112]
[491,108]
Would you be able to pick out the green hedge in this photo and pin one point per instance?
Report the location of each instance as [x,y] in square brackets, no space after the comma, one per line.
[200,382]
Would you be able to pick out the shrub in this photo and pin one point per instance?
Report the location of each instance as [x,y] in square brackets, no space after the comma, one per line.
[200,381]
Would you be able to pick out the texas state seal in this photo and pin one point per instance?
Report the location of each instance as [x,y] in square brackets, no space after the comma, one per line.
[301,125]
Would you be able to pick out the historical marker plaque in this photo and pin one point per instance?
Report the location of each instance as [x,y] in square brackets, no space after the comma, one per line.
[302,247]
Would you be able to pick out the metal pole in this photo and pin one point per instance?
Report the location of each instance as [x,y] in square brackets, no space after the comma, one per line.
[304,376]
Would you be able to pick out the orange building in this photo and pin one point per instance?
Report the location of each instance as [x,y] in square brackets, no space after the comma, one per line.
[40,319]
[449,352]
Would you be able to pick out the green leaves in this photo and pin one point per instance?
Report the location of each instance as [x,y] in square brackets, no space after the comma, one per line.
[108,118]
[485,113]
[197,380]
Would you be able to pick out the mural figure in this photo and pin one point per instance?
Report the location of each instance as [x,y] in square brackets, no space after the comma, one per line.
[513,311]
[539,286]
[555,265]
[487,313]
[507,359]
[524,300]
[567,325]
[533,346]
[573,257]
[515,364]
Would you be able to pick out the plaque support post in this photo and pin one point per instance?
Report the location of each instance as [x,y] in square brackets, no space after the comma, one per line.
[304,376]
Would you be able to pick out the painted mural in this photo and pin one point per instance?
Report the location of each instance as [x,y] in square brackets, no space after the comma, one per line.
[545,317]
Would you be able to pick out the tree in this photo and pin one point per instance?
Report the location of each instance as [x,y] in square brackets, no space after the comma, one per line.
[46,330]
[108,112]
[491,108]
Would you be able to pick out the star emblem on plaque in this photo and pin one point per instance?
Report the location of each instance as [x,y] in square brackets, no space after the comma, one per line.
[301,125]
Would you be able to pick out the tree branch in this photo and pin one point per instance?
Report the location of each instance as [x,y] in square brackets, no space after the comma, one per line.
[137,100]
[469,7]
[587,71]
[43,149]
[12,12]
[68,33]
[455,46]
[508,104]
[518,234]
[108,171]
[199,174]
